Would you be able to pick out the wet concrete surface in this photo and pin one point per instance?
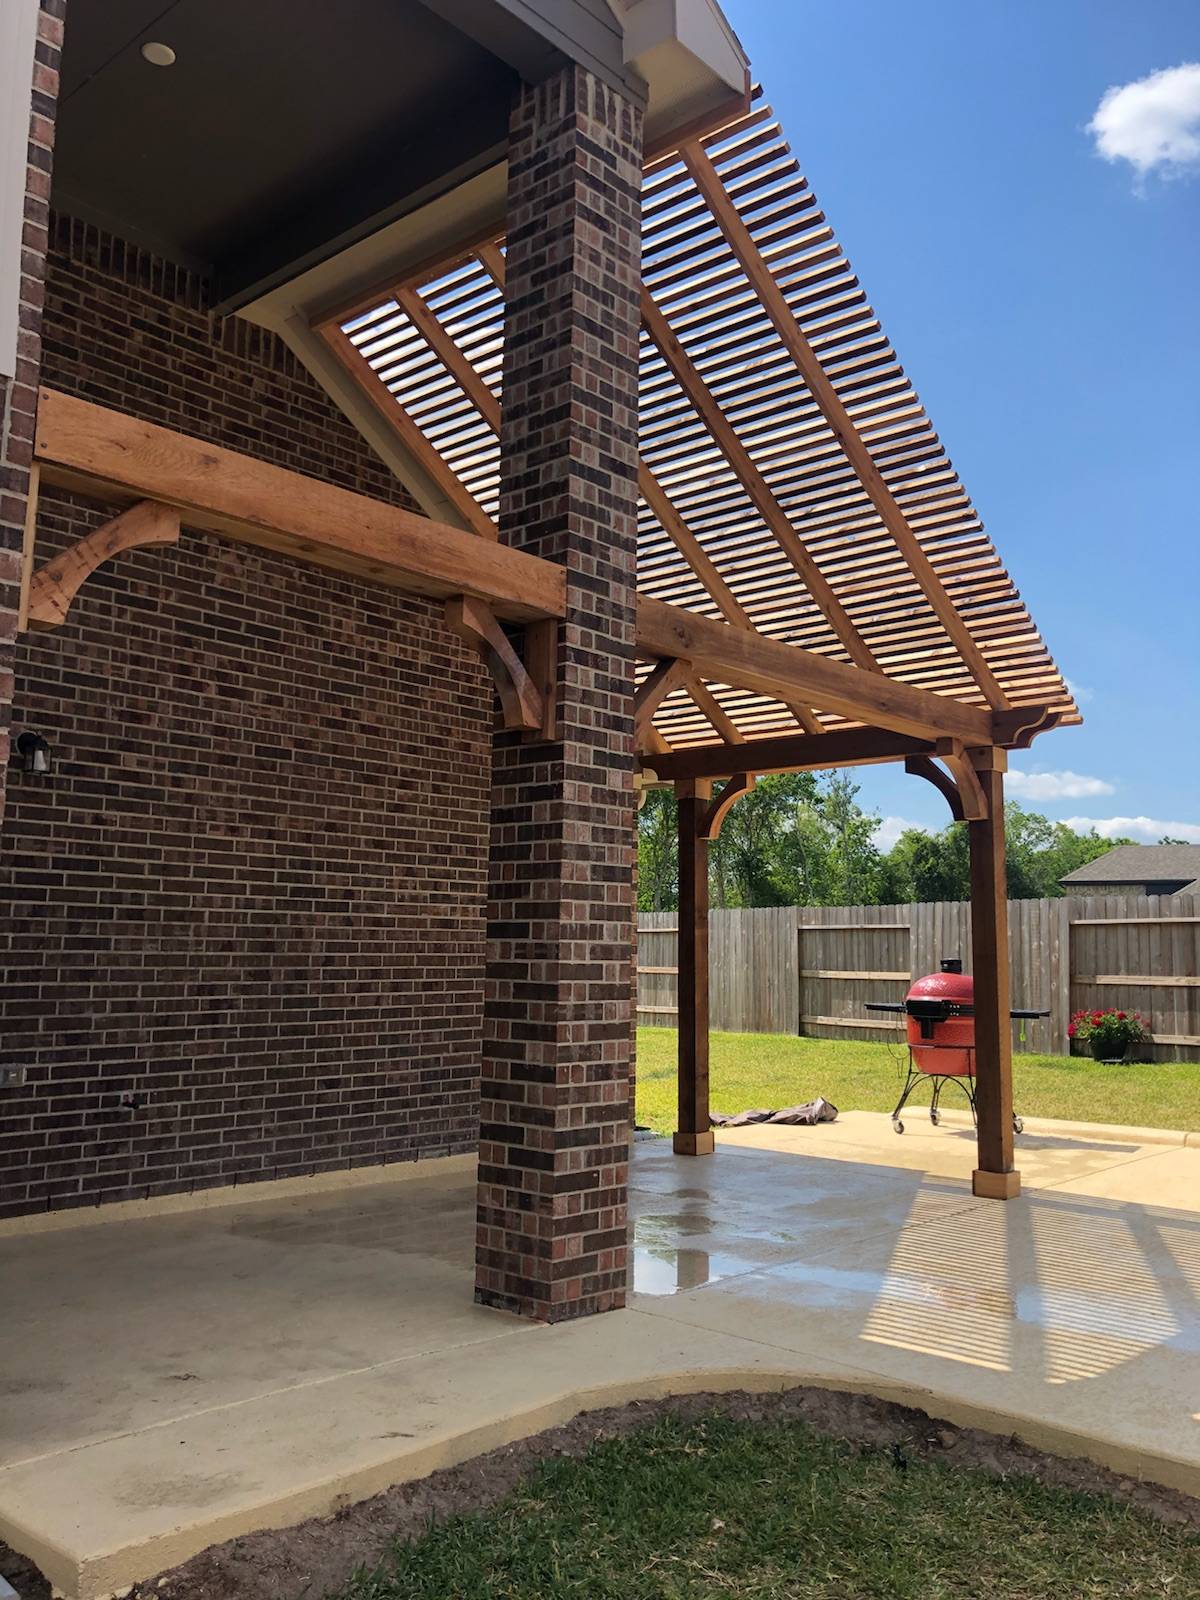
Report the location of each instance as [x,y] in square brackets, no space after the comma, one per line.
[169,1381]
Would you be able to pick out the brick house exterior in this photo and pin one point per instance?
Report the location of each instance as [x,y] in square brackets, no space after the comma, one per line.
[250,896]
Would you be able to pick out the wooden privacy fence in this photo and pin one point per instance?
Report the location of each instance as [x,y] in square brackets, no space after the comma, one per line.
[808,969]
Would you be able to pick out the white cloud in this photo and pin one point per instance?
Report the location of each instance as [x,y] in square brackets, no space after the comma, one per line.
[1055,786]
[1148,830]
[1078,693]
[1153,123]
[890,829]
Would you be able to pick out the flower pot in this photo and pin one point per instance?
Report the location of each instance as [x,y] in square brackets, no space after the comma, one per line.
[1110,1055]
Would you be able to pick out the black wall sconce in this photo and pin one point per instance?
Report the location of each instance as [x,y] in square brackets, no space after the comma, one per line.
[34,753]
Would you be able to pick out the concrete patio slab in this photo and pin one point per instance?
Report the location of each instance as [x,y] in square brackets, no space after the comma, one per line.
[174,1381]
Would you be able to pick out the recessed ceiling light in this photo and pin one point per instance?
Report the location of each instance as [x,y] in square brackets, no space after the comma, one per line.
[158,55]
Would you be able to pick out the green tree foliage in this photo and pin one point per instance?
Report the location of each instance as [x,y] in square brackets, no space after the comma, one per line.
[802,839]
[658,852]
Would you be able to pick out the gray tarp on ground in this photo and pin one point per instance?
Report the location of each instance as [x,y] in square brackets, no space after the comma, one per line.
[810,1112]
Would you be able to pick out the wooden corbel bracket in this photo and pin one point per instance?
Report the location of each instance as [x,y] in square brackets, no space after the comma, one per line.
[526,688]
[708,824]
[53,588]
[959,784]
[1016,729]
[925,767]
[733,791]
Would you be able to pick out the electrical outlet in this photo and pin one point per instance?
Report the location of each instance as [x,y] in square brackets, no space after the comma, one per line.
[13,1077]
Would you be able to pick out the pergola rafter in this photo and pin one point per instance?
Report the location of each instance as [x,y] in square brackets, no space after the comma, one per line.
[791,484]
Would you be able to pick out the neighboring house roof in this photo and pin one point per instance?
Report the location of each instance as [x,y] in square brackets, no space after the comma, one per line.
[1142,863]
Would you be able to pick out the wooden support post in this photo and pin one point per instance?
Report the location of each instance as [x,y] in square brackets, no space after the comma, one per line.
[995,1177]
[693,1136]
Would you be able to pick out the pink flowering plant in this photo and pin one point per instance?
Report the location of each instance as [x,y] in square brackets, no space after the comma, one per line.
[1108,1034]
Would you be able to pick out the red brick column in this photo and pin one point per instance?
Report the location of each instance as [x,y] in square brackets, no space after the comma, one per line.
[554,1120]
[18,393]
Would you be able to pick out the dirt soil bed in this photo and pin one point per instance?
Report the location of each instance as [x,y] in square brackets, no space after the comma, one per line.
[314,1558]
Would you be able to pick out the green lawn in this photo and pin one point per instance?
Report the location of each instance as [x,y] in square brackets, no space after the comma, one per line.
[768,1069]
[723,1509]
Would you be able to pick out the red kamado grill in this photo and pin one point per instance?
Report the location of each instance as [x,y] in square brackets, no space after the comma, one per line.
[941,1036]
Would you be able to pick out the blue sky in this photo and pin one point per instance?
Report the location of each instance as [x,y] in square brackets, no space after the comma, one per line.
[1044,302]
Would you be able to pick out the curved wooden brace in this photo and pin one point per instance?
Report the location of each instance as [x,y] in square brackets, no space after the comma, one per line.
[53,587]
[962,770]
[522,704]
[710,825]
[960,786]
[924,767]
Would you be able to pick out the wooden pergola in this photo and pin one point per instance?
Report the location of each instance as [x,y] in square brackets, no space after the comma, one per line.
[815,587]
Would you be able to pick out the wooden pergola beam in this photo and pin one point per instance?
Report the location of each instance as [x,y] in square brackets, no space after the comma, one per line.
[722,723]
[448,353]
[83,446]
[92,448]
[762,280]
[786,672]
[791,752]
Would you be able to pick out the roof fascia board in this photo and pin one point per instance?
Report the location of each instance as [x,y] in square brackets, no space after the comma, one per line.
[700,26]
[537,37]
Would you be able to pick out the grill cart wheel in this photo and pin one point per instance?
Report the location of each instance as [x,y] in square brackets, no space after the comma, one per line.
[1018,1125]
[897,1125]
[935,1115]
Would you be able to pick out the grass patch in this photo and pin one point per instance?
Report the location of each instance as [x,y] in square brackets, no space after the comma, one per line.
[770,1069]
[719,1507]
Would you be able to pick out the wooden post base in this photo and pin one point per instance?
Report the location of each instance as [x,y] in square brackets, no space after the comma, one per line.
[694,1144]
[995,1185]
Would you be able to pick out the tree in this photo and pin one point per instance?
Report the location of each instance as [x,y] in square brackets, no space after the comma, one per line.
[744,858]
[658,852]
[802,839]
[927,866]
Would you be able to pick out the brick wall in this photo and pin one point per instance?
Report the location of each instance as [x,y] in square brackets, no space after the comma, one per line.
[554,1130]
[18,395]
[250,894]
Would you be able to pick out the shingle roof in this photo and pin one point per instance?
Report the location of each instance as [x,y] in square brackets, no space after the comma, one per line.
[1141,863]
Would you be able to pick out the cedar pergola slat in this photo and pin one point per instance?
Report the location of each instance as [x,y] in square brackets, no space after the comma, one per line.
[772,406]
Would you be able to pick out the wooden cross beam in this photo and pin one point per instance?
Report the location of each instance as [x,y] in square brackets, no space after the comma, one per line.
[85,446]
[786,672]
[790,752]
[88,447]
